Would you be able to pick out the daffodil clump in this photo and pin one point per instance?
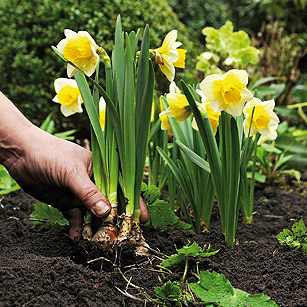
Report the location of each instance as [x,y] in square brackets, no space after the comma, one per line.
[223,103]
[220,108]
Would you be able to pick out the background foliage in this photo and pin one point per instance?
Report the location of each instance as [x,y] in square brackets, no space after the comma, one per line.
[28,66]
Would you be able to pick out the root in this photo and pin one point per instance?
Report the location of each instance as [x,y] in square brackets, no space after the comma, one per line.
[114,231]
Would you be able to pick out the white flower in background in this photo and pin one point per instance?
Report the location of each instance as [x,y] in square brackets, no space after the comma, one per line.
[270,137]
[68,95]
[227,92]
[263,117]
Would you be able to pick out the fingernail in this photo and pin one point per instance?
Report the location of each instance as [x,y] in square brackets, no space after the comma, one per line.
[101,208]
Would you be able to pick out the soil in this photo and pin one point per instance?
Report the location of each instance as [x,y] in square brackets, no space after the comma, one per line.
[45,268]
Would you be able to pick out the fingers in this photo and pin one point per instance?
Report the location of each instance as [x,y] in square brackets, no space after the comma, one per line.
[75,218]
[144,211]
[89,194]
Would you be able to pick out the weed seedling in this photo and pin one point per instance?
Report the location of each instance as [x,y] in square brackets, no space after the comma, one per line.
[296,238]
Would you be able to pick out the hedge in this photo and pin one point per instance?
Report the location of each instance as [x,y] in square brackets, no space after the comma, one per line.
[28,66]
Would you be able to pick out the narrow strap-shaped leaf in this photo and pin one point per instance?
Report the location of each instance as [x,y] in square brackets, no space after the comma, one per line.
[143,130]
[175,171]
[194,157]
[128,161]
[113,113]
[93,116]
[234,177]
[208,137]
[119,64]
[143,71]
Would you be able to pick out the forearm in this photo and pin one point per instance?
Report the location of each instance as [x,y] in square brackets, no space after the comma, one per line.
[13,131]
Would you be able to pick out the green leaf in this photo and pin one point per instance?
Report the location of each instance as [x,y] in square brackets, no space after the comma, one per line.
[215,288]
[169,292]
[192,250]
[47,216]
[161,216]
[7,183]
[172,260]
[299,228]
[194,157]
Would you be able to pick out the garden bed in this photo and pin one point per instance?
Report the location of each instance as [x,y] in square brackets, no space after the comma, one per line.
[44,268]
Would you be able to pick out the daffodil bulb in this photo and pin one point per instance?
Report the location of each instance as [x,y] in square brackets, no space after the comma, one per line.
[168,56]
[178,107]
[263,117]
[68,96]
[102,112]
[81,50]
[227,92]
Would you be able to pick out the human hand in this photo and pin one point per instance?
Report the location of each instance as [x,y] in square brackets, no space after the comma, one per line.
[58,173]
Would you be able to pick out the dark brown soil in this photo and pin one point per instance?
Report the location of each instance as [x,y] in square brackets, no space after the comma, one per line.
[45,268]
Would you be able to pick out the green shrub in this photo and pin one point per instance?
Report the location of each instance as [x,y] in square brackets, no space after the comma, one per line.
[28,66]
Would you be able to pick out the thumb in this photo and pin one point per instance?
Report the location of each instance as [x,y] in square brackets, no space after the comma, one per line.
[89,194]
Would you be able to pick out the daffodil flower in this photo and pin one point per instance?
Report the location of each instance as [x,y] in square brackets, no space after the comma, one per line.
[81,50]
[263,117]
[102,112]
[178,107]
[270,137]
[165,124]
[173,88]
[68,95]
[205,108]
[227,92]
[168,56]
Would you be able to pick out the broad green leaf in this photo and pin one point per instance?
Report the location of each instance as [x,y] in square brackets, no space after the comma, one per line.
[170,292]
[172,260]
[299,228]
[271,149]
[47,216]
[215,288]
[7,183]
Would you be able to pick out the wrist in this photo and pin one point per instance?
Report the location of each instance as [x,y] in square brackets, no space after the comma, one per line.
[13,132]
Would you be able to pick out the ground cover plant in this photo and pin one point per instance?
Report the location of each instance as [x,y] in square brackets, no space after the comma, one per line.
[205,161]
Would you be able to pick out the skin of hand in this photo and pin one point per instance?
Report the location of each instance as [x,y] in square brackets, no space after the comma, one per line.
[53,170]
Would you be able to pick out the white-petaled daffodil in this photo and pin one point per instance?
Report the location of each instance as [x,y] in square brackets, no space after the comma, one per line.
[168,56]
[270,137]
[227,92]
[205,108]
[263,117]
[68,95]
[178,107]
[81,50]
[102,112]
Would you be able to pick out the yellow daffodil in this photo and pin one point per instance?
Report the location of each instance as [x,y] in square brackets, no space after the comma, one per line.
[270,137]
[165,124]
[102,112]
[263,117]
[80,49]
[205,108]
[68,95]
[173,88]
[168,56]
[227,92]
[178,107]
